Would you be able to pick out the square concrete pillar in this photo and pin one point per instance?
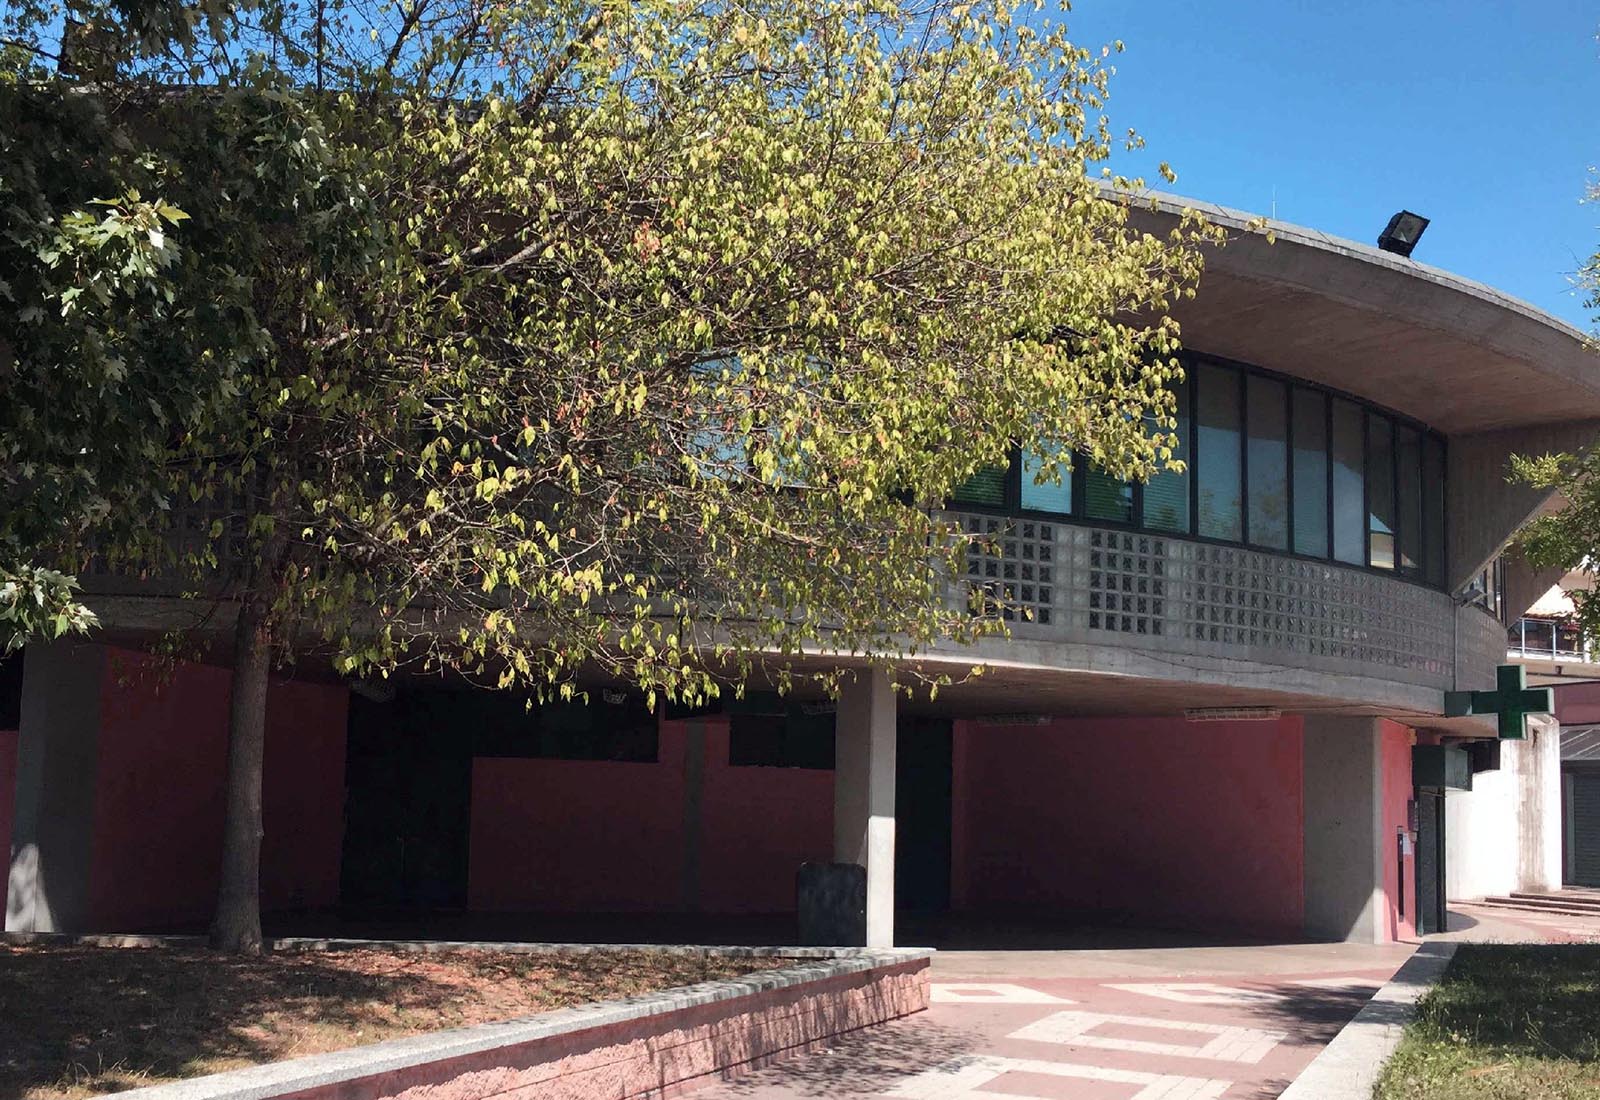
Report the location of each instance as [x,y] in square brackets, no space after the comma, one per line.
[863,793]
[1347,847]
[47,884]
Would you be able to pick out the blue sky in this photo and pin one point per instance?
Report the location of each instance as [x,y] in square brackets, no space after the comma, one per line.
[1479,115]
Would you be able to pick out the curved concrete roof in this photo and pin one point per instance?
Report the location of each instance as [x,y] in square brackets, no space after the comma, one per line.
[1453,353]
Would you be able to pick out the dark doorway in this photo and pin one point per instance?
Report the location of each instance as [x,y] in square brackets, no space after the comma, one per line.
[407,803]
[1431,909]
[923,773]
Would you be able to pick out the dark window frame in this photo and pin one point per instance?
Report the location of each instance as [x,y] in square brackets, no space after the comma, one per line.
[1423,576]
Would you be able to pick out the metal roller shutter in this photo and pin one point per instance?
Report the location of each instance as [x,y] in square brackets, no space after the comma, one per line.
[1586,829]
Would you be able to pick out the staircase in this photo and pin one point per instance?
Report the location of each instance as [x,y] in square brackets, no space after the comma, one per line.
[1568,901]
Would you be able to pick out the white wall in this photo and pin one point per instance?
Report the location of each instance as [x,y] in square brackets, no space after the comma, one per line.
[1505,833]
[1481,834]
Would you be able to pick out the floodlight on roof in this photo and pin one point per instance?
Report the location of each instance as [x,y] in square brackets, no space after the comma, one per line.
[1402,233]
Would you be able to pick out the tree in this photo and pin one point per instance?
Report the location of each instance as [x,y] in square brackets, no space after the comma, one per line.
[115,334]
[645,339]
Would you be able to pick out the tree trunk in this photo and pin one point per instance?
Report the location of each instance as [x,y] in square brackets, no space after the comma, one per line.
[237,925]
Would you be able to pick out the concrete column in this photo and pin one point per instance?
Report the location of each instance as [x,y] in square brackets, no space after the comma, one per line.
[1539,804]
[47,888]
[1344,829]
[863,793]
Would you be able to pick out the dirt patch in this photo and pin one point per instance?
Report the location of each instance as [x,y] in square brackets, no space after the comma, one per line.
[78,1021]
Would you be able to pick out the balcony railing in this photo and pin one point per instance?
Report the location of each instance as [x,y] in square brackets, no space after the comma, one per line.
[1547,639]
[1072,582]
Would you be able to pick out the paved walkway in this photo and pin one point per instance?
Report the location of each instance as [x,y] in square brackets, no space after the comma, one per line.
[1487,922]
[1164,1022]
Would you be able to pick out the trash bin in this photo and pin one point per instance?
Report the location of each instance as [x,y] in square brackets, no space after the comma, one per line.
[833,904]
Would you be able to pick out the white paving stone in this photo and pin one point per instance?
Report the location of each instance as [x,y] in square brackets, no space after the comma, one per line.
[1199,993]
[990,993]
[1226,1043]
[966,1077]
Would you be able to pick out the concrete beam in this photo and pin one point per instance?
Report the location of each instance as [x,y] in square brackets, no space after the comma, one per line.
[47,888]
[863,792]
[1484,510]
[1521,584]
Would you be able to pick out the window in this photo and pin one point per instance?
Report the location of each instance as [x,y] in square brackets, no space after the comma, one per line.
[1569,639]
[1380,492]
[1408,496]
[613,725]
[1166,494]
[11,692]
[1046,497]
[1217,452]
[797,738]
[1484,589]
[1433,552]
[1107,497]
[987,486]
[1349,507]
[1538,636]
[1267,462]
[1310,430]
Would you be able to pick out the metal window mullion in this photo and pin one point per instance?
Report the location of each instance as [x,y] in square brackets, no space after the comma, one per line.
[1327,448]
[1244,457]
[1366,492]
[1288,466]
[1193,371]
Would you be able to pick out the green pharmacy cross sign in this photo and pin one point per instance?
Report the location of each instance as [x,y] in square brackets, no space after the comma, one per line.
[1510,702]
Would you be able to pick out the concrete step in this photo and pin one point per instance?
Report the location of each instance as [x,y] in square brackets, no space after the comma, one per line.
[1537,907]
[1583,900]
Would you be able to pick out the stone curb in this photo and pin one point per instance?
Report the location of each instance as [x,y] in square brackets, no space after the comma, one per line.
[1348,1067]
[291,944]
[356,1063]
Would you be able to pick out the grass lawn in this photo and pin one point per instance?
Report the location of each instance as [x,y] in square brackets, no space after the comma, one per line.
[1506,1022]
[79,1021]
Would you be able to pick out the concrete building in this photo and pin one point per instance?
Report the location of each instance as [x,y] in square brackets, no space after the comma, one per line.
[1210,720]
[1564,798]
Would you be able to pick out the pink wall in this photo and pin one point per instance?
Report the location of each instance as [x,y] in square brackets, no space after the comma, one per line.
[8,788]
[1395,762]
[159,801]
[757,826]
[1159,820]
[1578,704]
[573,835]
[577,834]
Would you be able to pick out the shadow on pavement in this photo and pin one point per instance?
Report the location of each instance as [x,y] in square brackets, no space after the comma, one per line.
[862,1063]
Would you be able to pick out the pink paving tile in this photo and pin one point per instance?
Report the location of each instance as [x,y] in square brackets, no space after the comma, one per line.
[1302,1019]
[1040,1086]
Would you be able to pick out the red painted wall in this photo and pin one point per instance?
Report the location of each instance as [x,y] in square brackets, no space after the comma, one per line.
[1158,820]
[1395,761]
[757,826]
[555,835]
[8,788]
[158,794]
[574,835]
